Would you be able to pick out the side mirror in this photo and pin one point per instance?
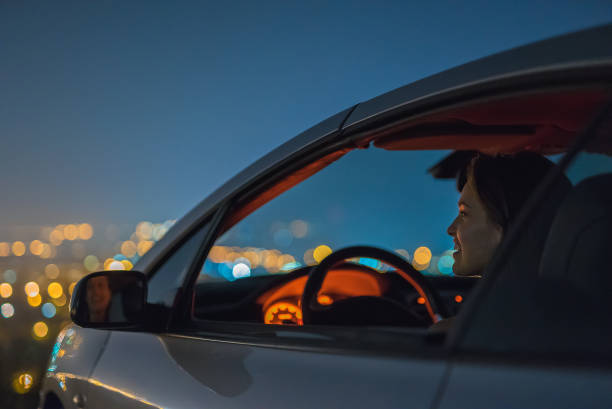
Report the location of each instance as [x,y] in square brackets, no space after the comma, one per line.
[109,299]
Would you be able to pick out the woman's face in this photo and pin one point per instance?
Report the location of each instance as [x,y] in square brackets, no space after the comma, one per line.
[475,235]
[98,295]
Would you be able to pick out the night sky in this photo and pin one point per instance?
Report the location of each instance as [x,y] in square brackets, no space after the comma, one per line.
[116,112]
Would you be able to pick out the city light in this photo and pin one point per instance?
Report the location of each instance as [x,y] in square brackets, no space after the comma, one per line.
[52,271]
[144,230]
[35,301]
[55,290]
[5,249]
[128,248]
[36,247]
[71,287]
[23,383]
[85,231]
[127,264]
[71,232]
[40,330]
[31,289]
[91,263]
[60,301]
[7,310]
[144,246]
[48,310]
[10,276]
[18,248]
[299,228]
[56,237]
[6,290]
[321,252]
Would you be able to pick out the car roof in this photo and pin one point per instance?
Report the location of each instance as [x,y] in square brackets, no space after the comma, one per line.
[586,48]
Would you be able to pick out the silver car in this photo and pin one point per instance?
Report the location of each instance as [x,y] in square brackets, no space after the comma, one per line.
[322,275]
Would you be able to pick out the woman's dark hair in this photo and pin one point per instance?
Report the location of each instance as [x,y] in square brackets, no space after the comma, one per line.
[505,182]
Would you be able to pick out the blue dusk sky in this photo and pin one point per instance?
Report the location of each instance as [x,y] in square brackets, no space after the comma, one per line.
[121,111]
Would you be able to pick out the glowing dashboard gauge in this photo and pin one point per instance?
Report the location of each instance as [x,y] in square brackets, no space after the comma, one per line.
[283,313]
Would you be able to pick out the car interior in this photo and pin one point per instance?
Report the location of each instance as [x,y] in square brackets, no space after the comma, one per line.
[562,237]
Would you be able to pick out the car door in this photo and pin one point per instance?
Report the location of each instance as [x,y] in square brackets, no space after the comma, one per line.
[205,360]
[544,340]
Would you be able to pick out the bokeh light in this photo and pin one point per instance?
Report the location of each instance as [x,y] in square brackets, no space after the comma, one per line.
[5,249]
[445,264]
[309,257]
[71,287]
[55,290]
[115,265]
[91,263]
[59,302]
[458,298]
[299,228]
[31,289]
[241,270]
[36,247]
[71,232]
[404,253]
[23,383]
[321,252]
[48,310]
[85,231]
[35,301]
[144,230]
[128,248]
[422,255]
[144,246]
[40,330]
[56,237]
[18,248]
[47,251]
[10,276]
[6,290]
[52,271]
[7,310]
[127,264]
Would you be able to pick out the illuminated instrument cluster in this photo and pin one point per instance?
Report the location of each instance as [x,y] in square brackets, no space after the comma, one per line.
[283,313]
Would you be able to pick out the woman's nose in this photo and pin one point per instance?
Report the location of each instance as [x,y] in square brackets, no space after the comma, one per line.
[451,230]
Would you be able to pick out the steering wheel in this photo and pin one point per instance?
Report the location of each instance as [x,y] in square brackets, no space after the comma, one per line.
[314,312]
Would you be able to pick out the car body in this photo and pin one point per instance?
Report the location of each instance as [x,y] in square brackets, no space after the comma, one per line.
[217,334]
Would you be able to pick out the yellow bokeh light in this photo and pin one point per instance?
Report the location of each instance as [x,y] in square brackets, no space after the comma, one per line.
[321,252]
[55,290]
[422,256]
[18,248]
[5,249]
[107,263]
[31,289]
[23,382]
[127,264]
[85,231]
[35,301]
[52,271]
[253,258]
[71,287]
[36,247]
[216,254]
[40,329]
[60,302]
[144,246]
[144,230]
[47,251]
[116,265]
[56,237]
[6,290]
[71,232]
[128,248]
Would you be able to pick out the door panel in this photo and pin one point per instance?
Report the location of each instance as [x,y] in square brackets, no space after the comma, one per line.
[523,386]
[143,370]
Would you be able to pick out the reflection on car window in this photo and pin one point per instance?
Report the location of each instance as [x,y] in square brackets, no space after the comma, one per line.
[165,281]
[369,197]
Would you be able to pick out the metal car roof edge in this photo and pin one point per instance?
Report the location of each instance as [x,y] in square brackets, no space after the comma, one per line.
[551,54]
[478,83]
[302,143]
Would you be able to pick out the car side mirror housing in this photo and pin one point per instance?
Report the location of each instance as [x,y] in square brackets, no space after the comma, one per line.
[110,300]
